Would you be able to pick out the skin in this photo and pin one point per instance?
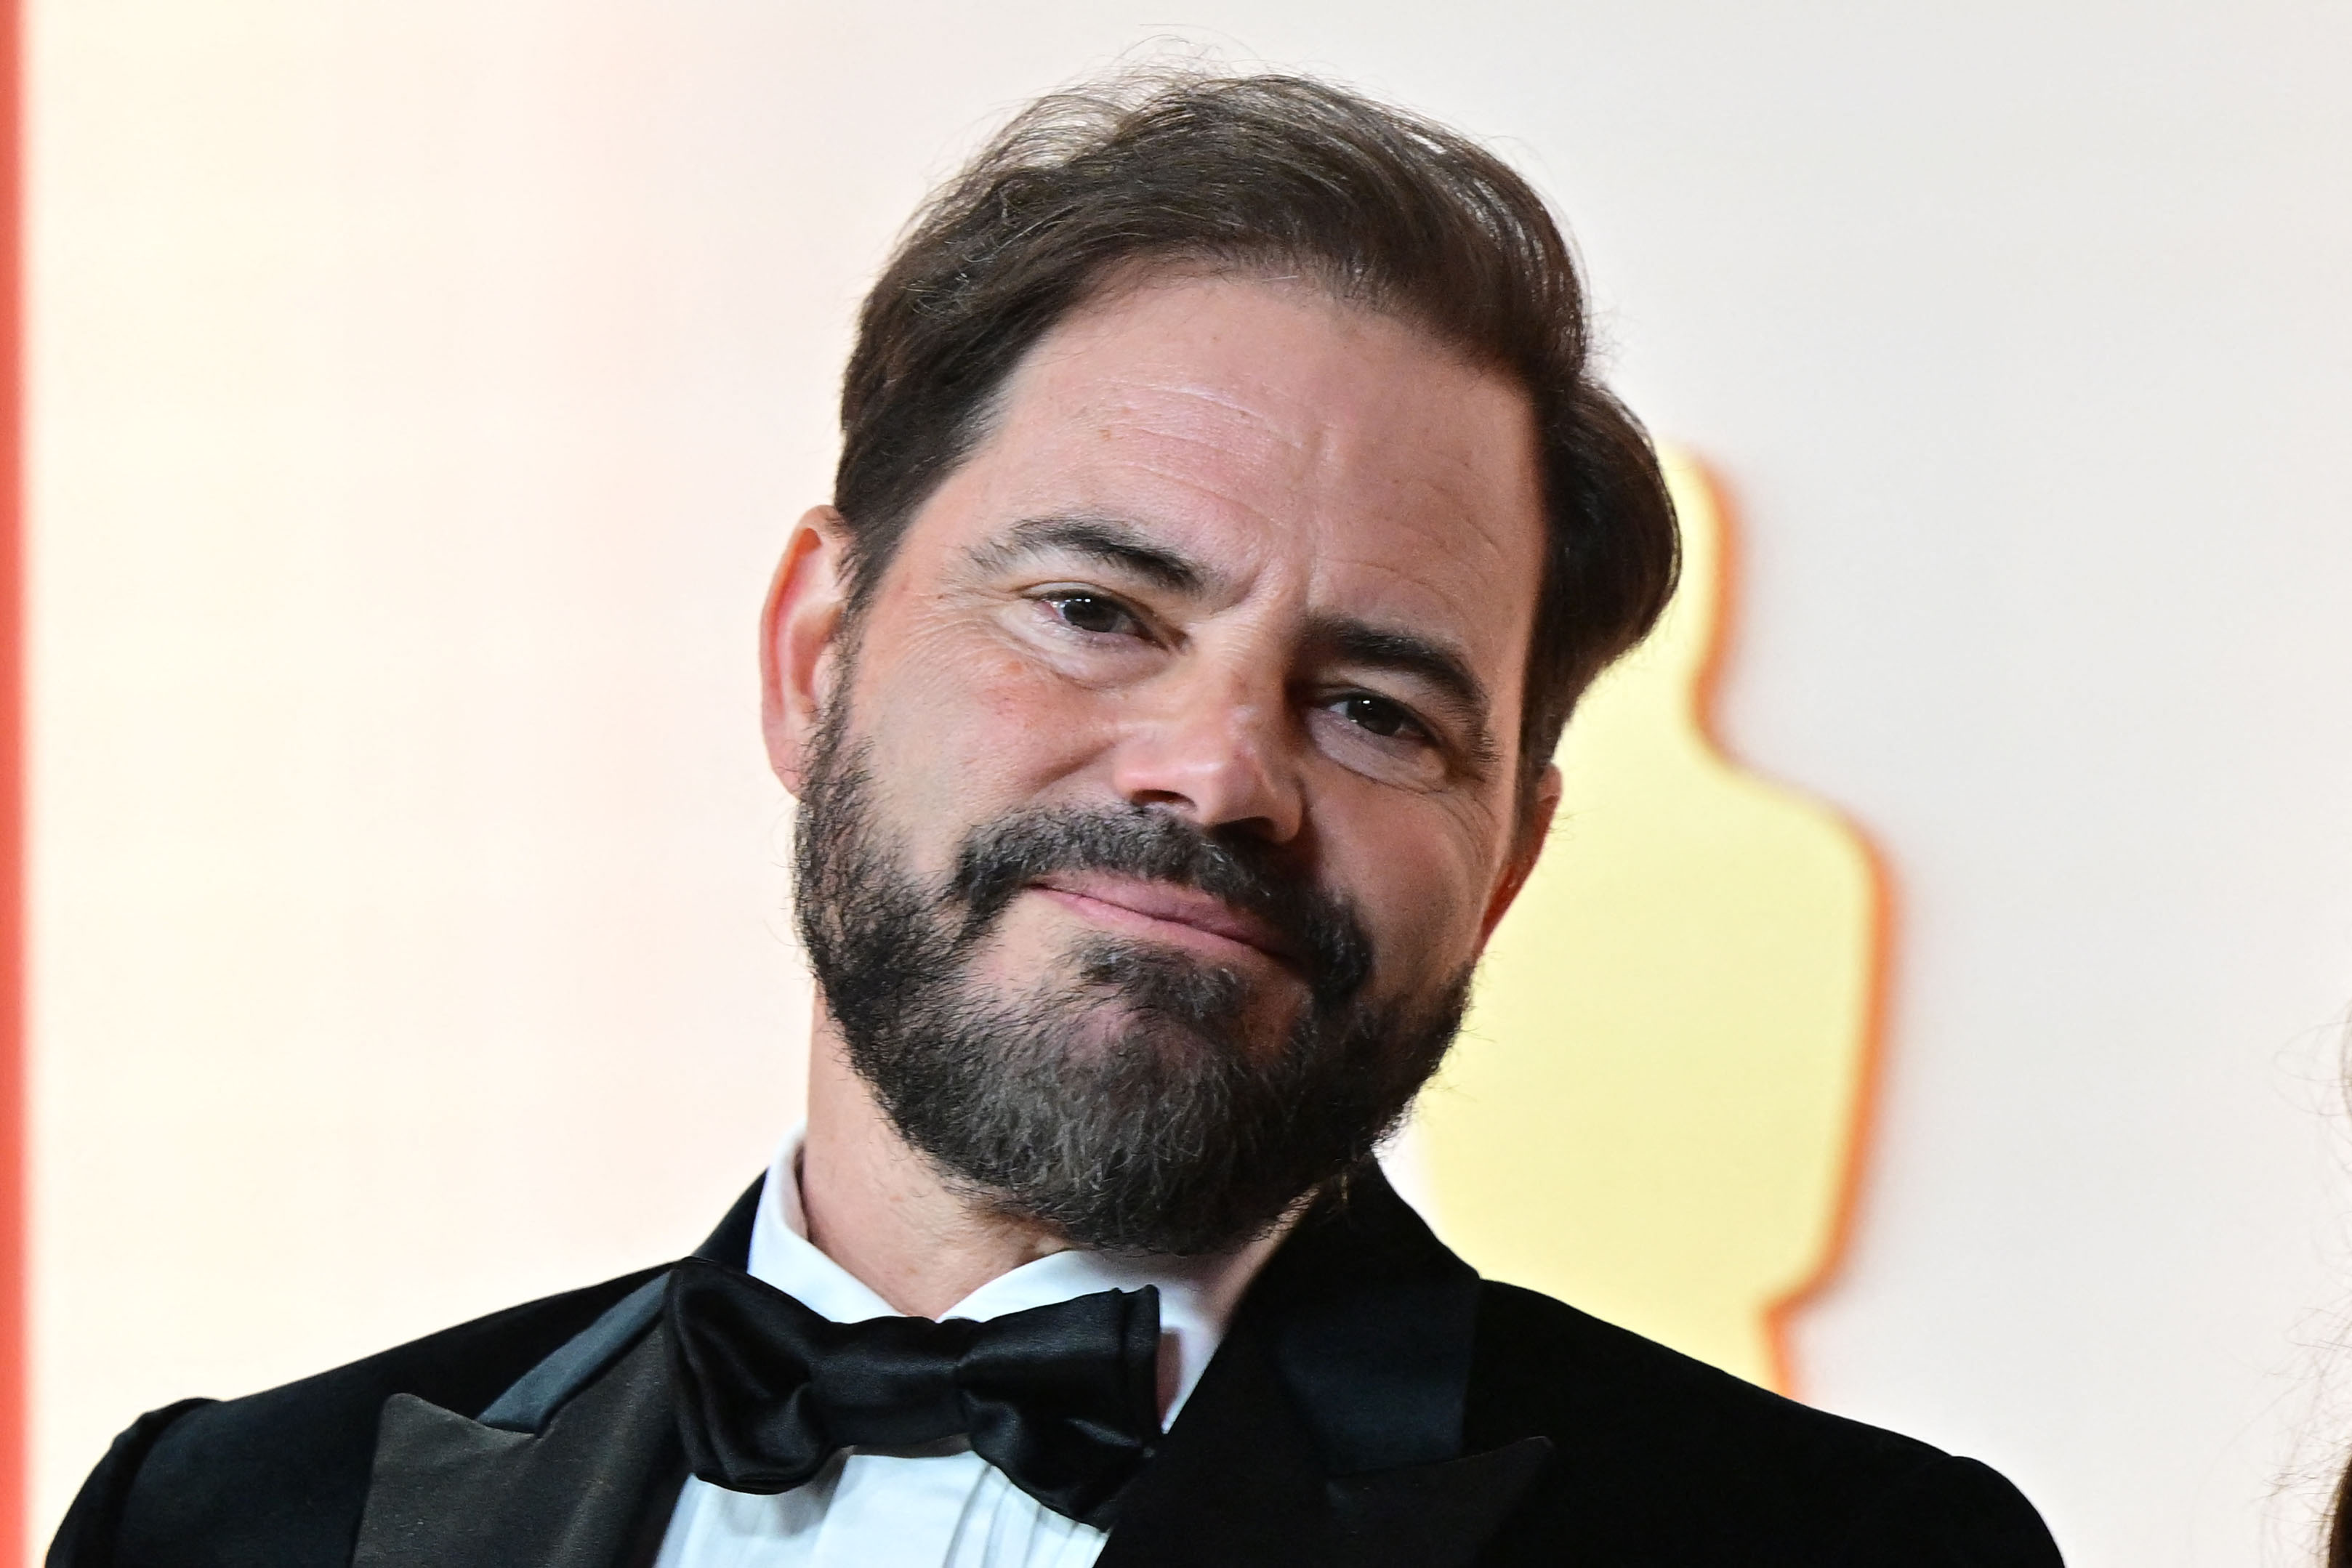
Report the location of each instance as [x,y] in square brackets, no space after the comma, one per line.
[1235,550]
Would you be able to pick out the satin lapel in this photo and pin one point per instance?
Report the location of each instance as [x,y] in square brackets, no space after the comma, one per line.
[570,1467]
[1327,1431]
[1236,1483]
[449,1492]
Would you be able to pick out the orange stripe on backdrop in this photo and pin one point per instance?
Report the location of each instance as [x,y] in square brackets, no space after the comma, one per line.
[12,797]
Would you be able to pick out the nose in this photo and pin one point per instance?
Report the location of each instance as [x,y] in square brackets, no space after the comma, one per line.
[1217,748]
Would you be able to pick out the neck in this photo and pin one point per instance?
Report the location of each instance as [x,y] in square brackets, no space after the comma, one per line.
[882,1211]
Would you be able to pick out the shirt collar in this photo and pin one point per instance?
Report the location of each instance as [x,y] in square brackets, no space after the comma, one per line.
[1197,1295]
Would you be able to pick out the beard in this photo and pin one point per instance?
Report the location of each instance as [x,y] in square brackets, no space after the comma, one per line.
[1122,1105]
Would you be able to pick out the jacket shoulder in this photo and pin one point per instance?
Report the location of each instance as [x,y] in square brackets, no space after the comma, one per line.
[1661,1459]
[280,1477]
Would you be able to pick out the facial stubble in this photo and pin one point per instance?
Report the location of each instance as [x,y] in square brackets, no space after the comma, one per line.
[1124,1104]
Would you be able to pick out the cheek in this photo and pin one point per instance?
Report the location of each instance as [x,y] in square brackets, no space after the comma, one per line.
[962,729]
[1420,886]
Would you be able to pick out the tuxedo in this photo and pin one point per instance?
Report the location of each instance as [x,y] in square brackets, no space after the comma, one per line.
[1374,1403]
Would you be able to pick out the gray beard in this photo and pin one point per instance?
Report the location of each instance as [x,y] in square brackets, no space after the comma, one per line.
[1122,1108]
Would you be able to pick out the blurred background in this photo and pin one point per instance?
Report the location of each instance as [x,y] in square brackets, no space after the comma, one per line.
[419,392]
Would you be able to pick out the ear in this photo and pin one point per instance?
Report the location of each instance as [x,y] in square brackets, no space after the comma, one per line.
[799,630]
[1525,851]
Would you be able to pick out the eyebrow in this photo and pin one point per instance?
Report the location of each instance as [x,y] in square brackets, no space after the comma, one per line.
[1103,539]
[1409,653]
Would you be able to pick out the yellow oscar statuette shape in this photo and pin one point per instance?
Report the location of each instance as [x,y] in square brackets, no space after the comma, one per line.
[1656,1108]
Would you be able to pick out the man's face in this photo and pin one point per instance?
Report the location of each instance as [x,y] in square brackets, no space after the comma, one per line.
[1185,717]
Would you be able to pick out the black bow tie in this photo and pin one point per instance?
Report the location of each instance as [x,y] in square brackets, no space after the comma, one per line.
[1063,1399]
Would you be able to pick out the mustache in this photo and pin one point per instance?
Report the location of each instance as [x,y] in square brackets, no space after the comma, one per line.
[1000,858]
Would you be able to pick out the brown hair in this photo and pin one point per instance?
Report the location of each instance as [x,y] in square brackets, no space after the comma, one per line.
[1257,173]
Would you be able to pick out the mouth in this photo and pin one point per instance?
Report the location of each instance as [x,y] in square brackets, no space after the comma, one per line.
[1163,912]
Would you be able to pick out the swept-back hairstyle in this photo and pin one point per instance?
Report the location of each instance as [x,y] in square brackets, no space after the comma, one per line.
[1259,175]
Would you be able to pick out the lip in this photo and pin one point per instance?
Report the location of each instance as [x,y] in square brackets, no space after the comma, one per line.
[1166,912]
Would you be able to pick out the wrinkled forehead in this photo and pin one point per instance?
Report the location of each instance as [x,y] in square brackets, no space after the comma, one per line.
[1277,430]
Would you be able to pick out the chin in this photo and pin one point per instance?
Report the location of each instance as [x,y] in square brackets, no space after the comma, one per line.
[1163,992]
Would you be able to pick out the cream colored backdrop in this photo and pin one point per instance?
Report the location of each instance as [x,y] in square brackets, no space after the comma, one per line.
[418,390]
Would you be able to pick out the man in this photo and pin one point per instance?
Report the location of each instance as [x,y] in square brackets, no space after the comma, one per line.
[1226,523]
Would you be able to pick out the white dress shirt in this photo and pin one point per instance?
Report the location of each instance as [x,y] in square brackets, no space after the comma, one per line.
[940,1506]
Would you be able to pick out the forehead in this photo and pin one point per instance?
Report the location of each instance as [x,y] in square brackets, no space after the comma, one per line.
[1279,433]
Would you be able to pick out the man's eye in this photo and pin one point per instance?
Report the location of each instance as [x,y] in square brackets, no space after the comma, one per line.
[1093,612]
[1377,715]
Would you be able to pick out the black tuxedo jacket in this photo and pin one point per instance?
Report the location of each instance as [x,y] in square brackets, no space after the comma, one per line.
[1373,1403]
